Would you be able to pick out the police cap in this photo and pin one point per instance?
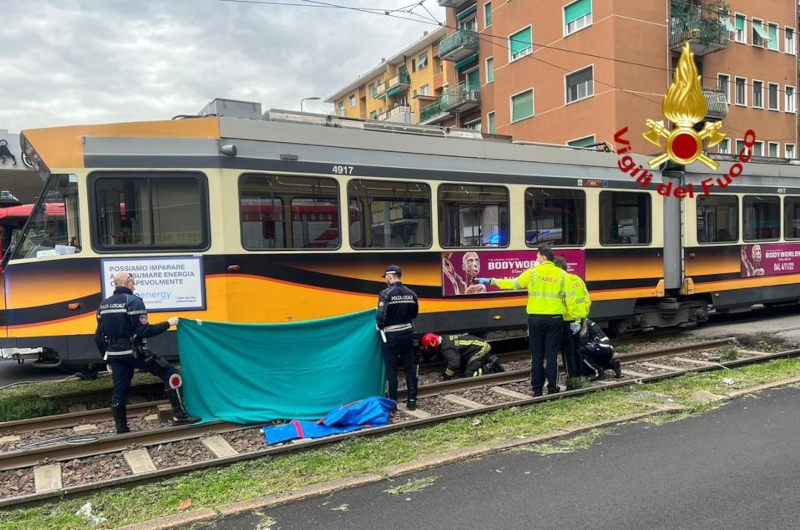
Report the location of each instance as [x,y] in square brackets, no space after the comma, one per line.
[393,269]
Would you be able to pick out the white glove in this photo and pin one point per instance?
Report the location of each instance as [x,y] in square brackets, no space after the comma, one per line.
[575,327]
[173,321]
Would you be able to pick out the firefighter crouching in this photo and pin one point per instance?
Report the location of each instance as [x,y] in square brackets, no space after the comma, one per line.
[122,330]
[397,307]
[575,315]
[597,352]
[463,354]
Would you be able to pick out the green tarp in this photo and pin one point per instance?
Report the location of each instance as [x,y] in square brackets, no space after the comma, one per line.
[255,373]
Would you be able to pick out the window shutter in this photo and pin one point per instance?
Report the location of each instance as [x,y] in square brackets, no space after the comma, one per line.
[520,41]
[575,11]
[522,106]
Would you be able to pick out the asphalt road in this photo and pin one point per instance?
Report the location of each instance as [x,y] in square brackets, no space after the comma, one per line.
[733,468]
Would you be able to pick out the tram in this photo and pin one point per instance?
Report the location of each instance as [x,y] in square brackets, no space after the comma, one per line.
[289,216]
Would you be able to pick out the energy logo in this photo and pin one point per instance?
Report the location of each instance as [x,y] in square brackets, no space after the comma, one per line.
[684,105]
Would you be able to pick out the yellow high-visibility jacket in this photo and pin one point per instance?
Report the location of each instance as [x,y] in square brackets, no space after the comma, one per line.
[546,285]
[579,296]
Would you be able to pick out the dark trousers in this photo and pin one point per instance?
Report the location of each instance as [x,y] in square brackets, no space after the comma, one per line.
[570,351]
[596,361]
[399,349]
[122,368]
[544,339]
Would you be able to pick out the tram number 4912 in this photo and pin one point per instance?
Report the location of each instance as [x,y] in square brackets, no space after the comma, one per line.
[343,170]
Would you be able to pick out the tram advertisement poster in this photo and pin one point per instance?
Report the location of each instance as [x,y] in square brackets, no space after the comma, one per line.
[460,270]
[165,284]
[770,260]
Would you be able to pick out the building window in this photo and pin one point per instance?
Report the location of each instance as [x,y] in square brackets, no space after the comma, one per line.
[373,115]
[790,151]
[492,123]
[773,97]
[577,16]
[287,212]
[759,34]
[774,43]
[741,91]
[791,217]
[490,70]
[520,44]
[717,219]
[475,125]
[487,14]
[389,214]
[741,29]
[54,225]
[790,99]
[555,216]
[724,147]
[773,149]
[413,65]
[151,211]
[372,90]
[580,85]
[758,148]
[739,146]
[788,43]
[352,101]
[422,60]
[341,108]
[522,106]
[723,82]
[425,90]
[473,216]
[583,142]
[758,94]
[624,218]
[762,218]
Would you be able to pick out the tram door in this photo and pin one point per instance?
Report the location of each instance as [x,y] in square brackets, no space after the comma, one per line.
[673,235]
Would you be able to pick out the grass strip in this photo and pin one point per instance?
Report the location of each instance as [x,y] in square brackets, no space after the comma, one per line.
[215,487]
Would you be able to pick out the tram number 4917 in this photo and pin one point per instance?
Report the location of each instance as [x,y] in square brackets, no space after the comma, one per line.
[343,170]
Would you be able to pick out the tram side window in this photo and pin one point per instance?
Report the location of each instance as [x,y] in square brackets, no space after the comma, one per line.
[152,211]
[624,218]
[54,227]
[717,219]
[791,226]
[473,216]
[288,212]
[554,216]
[762,218]
[389,214]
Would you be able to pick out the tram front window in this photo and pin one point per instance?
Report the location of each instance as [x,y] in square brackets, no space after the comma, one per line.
[53,228]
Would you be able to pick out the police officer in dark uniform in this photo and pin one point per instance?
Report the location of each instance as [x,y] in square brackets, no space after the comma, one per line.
[464,354]
[597,353]
[122,330]
[397,307]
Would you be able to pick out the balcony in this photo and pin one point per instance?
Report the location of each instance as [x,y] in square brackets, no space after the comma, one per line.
[398,85]
[454,3]
[704,35]
[717,104]
[457,99]
[380,91]
[459,45]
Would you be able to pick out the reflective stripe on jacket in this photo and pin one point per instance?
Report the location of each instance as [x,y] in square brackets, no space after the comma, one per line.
[578,295]
[546,285]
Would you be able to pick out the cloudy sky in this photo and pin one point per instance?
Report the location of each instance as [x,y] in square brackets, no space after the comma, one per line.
[95,61]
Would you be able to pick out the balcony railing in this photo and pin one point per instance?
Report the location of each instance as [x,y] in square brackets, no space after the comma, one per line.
[398,84]
[456,99]
[705,34]
[459,45]
[380,91]
[454,3]
[717,104]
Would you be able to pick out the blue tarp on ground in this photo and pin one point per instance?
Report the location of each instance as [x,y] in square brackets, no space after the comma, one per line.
[256,373]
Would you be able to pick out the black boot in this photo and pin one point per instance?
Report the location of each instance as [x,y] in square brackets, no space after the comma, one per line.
[411,403]
[497,368]
[617,368]
[120,414]
[179,414]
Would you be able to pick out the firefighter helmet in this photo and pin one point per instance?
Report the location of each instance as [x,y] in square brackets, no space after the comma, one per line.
[429,341]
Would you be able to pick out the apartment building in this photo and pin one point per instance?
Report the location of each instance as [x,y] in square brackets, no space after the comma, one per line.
[575,72]
[397,88]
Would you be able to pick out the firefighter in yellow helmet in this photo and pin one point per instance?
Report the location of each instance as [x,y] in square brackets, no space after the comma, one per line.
[575,315]
[546,285]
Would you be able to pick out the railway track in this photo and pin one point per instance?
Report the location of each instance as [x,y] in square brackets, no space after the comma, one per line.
[437,402]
